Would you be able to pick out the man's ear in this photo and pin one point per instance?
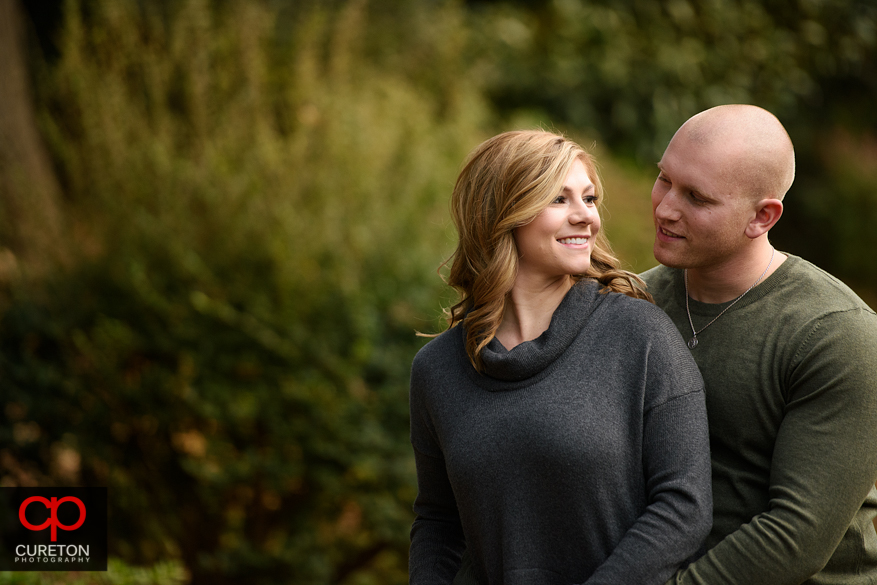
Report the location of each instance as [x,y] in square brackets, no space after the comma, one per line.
[767,213]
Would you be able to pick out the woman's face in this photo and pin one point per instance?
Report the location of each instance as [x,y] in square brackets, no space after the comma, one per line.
[558,242]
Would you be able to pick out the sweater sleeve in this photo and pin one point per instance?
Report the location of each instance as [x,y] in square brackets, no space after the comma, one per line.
[823,465]
[676,465]
[437,540]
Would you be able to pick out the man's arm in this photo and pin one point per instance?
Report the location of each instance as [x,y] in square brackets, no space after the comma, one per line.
[823,466]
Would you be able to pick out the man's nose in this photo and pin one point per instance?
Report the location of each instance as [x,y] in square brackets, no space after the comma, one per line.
[666,207]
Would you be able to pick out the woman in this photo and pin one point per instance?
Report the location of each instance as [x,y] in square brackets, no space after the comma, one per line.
[558,425]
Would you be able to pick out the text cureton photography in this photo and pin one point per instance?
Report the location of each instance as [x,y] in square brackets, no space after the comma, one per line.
[52,553]
[53,529]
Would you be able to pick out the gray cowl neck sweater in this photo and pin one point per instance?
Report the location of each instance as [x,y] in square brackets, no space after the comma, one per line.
[579,457]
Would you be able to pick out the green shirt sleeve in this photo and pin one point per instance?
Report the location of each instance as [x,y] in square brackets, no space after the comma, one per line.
[823,466]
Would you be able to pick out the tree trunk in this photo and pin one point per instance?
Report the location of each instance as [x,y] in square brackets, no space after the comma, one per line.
[30,217]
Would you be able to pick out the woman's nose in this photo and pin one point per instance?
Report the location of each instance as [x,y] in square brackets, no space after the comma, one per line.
[583,214]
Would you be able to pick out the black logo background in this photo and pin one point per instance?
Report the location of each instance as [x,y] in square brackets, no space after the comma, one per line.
[92,533]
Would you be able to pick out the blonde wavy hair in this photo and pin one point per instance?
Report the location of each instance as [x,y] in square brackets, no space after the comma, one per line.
[506,182]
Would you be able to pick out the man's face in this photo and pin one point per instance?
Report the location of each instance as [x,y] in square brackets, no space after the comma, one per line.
[699,216]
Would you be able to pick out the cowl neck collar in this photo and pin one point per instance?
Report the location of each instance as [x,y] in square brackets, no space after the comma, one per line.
[536,357]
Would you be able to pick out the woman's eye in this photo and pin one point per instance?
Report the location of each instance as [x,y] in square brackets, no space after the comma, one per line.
[560,199]
[590,199]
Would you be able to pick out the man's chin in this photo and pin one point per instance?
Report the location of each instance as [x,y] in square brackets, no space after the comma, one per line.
[667,258]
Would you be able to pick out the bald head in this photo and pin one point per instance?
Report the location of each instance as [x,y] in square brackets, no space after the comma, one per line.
[758,150]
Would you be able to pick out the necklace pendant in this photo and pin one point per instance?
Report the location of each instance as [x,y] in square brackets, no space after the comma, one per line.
[692,343]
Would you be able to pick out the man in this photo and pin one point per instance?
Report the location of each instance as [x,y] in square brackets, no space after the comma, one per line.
[788,354]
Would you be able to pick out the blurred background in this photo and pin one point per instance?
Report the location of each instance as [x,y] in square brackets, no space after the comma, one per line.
[221,223]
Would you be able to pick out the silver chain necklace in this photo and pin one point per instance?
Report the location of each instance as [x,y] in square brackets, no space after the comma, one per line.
[692,343]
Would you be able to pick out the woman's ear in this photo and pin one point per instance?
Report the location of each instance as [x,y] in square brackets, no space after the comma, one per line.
[767,213]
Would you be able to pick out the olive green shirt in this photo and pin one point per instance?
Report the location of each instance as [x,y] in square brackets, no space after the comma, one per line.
[791,390]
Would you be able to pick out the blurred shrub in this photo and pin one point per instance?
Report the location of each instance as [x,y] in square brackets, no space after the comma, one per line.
[118,573]
[635,70]
[258,199]
[844,199]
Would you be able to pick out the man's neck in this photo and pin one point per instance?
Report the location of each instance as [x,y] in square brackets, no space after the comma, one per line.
[724,282]
[528,311]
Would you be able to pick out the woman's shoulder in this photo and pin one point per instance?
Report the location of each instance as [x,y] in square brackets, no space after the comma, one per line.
[636,311]
[439,369]
[642,322]
[439,351]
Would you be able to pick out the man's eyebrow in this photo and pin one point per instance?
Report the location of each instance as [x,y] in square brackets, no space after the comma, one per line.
[703,194]
[691,188]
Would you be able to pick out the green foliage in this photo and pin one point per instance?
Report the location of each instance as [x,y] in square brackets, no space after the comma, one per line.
[259,203]
[118,573]
[839,208]
[635,70]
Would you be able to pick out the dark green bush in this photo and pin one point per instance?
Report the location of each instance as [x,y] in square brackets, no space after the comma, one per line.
[257,202]
[635,70]
[118,573]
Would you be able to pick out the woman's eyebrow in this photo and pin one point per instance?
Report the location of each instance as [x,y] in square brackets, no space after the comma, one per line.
[588,189]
